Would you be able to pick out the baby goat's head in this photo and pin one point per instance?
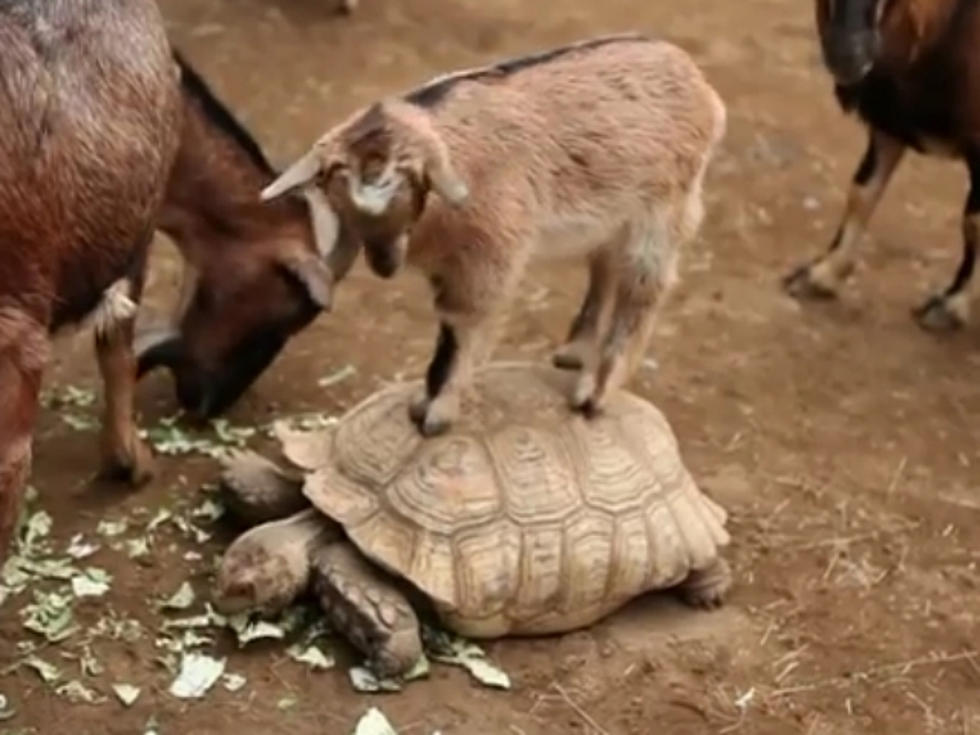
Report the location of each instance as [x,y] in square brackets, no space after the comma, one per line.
[375,171]
[850,36]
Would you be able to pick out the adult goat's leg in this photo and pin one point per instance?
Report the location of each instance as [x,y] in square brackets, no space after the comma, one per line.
[824,276]
[23,354]
[124,455]
[951,309]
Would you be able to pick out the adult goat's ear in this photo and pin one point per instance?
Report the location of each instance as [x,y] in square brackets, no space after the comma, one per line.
[325,222]
[313,275]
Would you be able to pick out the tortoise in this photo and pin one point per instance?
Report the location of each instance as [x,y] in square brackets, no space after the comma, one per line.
[527,518]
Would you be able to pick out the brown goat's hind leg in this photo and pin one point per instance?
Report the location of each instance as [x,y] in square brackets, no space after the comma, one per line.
[23,352]
[124,456]
[823,277]
[951,309]
[585,329]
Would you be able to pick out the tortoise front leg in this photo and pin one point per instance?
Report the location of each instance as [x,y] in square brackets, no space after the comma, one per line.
[366,606]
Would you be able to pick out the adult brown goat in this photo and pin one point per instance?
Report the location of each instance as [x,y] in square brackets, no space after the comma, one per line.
[90,120]
[256,273]
[911,70]
[105,137]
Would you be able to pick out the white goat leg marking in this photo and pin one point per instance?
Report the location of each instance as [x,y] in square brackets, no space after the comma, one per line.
[115,308]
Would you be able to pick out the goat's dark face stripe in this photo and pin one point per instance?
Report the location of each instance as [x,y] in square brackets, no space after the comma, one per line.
[850,36]
[854,16]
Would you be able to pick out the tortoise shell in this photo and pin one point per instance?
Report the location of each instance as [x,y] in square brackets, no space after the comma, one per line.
[526,518]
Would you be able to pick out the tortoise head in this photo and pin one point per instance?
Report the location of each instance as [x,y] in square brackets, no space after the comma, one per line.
[256,576]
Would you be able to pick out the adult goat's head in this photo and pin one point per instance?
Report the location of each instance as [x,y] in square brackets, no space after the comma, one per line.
[850,36]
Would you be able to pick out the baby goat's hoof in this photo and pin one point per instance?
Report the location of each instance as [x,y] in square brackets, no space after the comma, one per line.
[434,426]
[940,314]
[418,409]
[439,416]
[568,357]
[804,285]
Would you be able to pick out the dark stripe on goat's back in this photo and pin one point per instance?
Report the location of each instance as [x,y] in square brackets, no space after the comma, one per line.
[431,94]
[192,83]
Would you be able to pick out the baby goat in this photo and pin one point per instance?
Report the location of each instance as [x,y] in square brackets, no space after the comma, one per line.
[911,70]
[595,150]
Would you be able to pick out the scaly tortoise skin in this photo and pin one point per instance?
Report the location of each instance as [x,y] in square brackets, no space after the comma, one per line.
[526,519]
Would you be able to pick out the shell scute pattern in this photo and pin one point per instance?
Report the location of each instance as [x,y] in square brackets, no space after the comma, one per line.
[540,579]
[433,568]
[388,539]
[669,559]
[375,440]
[631,555]
[450,483]
[588,553]
[340,496]
[535,468]
[486,561]
[616,478]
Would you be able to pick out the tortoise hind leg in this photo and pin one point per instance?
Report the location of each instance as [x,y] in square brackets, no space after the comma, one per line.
[707,587]
[368,608]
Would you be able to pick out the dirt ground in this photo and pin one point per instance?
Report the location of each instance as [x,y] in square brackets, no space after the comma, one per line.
[844,440]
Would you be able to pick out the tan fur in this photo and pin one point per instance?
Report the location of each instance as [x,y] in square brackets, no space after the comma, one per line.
[599,152]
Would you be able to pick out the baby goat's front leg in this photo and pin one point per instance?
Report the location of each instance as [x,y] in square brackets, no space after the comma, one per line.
[463,345]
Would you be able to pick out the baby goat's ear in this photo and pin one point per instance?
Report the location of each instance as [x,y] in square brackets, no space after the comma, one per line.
[436,160]
[449,185]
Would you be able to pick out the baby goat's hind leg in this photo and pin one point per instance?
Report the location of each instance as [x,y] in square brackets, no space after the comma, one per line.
[124,456]
[647,270]
[586,327]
